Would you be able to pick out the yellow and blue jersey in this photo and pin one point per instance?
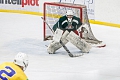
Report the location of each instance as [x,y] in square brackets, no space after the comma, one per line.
[10,71]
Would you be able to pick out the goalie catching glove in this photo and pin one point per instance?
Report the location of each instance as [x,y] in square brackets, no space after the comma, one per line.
[84,33]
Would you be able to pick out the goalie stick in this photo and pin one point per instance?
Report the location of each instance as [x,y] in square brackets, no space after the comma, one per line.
[69,53]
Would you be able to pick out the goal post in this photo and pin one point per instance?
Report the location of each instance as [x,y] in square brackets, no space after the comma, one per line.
[54,10]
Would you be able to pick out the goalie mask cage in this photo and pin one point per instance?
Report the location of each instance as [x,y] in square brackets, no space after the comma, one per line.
[54,10]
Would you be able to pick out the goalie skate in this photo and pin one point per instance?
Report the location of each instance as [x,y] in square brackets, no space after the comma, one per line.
[99,45]
[95,43]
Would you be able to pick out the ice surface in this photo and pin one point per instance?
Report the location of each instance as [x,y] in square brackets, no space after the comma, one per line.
[24,33]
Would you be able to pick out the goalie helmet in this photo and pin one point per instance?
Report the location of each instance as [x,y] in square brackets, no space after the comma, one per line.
[21,59]
[69,12]
[69,15]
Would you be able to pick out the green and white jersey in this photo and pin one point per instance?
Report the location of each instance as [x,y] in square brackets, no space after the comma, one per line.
[63,23]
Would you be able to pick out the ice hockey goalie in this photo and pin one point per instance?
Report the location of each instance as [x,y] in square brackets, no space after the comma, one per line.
[66,29]
[69,28]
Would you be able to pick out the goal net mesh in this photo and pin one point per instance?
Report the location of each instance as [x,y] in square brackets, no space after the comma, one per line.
[54,10]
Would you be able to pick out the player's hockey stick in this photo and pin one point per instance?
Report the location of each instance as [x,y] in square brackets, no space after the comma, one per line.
[47,25]
[69,53]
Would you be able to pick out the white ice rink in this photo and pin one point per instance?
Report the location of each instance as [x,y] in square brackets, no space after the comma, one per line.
[24,33]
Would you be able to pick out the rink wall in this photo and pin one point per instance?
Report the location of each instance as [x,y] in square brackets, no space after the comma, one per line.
[106,12]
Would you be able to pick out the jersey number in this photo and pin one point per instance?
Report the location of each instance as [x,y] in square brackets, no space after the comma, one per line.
[10,74]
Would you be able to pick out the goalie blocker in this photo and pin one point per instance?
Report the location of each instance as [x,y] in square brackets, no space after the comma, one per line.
[71,37]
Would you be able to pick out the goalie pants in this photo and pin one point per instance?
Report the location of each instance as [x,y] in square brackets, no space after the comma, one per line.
[71,37]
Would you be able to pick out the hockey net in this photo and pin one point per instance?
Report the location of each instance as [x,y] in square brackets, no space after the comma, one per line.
[54,10]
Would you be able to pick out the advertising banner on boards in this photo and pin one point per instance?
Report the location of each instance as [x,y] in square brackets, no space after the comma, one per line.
[25,5]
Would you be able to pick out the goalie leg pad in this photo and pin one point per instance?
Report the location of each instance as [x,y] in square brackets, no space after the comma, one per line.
[57,35]
[79,43]
[56,45]
[53,46]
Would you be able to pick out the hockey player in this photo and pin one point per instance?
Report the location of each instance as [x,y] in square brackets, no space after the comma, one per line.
[68,22]
[14,70]
[66,30]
